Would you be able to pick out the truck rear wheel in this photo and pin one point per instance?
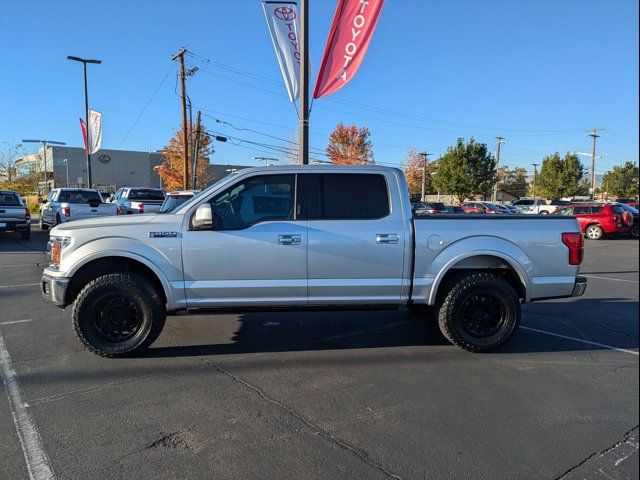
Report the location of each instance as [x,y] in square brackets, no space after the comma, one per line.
[480,313]
[118,314]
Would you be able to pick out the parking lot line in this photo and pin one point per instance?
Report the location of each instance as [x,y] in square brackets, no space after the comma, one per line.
[21,285]
[588,342]
[38,464]
[16,321]
[611,279]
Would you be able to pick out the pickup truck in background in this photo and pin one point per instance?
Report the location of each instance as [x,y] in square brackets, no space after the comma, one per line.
[14,214]
[138,200]
[537,206]
[66,204]
[308,237]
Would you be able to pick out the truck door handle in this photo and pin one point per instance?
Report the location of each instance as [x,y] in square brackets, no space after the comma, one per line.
[387,238]
[289,239]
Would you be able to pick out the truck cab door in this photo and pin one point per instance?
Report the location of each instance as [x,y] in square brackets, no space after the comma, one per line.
[357,239]
[255,253]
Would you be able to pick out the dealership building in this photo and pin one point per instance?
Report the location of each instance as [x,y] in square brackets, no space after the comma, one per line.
[110,169]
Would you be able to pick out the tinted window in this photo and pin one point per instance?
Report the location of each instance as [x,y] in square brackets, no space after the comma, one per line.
[348,197]
[9,200]
[256,199]
[616,209]
[79,196]
[581,210]
[146,194]
[596,209]
[524,202]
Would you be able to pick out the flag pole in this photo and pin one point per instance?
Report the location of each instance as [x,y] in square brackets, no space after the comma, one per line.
[304,83]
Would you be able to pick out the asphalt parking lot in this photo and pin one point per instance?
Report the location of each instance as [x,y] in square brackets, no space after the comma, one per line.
[326,395]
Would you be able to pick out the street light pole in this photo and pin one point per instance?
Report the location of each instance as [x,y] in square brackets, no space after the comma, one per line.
[44,144]
[66,164]
[84,62]
[494,197]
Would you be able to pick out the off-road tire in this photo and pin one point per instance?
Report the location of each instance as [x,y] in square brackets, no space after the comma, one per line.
[464,288]
[594,232]
[129,287]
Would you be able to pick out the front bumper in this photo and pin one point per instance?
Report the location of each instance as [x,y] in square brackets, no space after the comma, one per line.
[54,290]
[580,287]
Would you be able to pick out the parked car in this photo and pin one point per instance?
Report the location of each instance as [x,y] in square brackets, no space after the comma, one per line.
[480,207]
[633,211]
[174,199]
[531,206]
[505,210]
[66,204]
[452,209]
[14,214]
[428,208]
[308,237]
[130,200]
[598,219]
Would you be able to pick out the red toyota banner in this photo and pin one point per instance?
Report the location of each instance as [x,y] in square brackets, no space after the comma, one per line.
[83,126]
[353,25]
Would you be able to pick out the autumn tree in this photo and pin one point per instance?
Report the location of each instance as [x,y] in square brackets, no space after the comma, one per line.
[413,172]
[465,168]
[622,181]
[560,176]
[172,167]
[350,145]
[513,180]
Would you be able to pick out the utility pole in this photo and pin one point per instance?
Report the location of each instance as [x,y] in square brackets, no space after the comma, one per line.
[535,178]
[424,175]
[195,152]
[304,82]
[185,127]
[494,197]
[594,135]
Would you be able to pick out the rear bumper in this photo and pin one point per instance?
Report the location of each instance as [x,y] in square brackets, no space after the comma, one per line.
[54,289]
[14,226]
[580,287]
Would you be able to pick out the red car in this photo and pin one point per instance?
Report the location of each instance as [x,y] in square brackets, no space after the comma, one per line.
[598,219]
[479,207]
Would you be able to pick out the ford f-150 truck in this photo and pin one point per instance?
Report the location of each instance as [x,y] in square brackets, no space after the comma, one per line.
[14,214]
[67,204]
[308,237]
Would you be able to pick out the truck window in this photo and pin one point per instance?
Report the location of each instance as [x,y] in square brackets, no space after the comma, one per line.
[78,196]
[256,199]
[348,197]
[9,200]
[145,194]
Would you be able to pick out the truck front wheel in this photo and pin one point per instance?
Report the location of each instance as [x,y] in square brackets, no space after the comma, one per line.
[118,314]
[480,313]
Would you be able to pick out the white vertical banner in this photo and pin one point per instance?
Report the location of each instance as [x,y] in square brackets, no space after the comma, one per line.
[94,131]
[282,20]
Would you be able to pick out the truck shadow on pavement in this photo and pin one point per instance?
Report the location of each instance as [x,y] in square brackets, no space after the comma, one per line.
[340,330]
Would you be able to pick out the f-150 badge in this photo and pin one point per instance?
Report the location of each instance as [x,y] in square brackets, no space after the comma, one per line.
[163,234]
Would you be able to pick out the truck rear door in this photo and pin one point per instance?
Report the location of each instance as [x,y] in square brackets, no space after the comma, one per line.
[357,238]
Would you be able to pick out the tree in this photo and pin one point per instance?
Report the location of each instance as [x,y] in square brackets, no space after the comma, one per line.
[621,181]
[513,181]
[464,169]
[413,173]
[560,177]
[24,182]
[172,167]
[350,145]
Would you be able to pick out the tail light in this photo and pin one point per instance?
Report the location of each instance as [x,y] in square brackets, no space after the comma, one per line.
[575,242]
[141,208]
[27,213]
[66,211]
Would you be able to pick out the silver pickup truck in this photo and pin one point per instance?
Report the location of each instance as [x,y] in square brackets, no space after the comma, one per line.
[68,204]
[14,214]
[308,237]
[138,200]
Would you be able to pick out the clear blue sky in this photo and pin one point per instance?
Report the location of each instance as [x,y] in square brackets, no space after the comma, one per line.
[538,72]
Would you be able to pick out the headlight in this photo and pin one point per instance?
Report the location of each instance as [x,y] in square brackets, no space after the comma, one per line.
[55,247]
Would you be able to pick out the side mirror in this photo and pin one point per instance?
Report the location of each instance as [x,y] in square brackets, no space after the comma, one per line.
[41,200]
[203,218]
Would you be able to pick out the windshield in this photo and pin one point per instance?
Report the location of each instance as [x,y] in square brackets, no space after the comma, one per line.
[173,201]
[206,191]
[490,206]
[146,194]
[9,200]
[79,196]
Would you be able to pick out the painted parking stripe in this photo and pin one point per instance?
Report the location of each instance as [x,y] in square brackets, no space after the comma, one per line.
[611,279]
[17,321]
[21,285]
[38,464]
[588,342]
